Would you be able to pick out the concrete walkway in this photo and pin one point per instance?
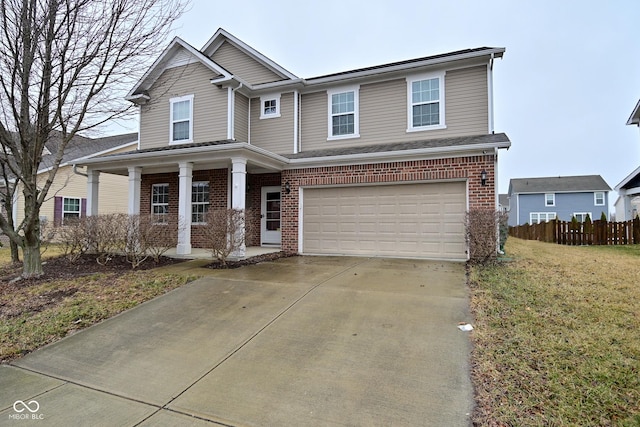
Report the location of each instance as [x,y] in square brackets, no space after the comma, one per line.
[327,341]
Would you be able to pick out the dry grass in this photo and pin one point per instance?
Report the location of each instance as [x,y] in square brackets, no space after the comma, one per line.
[36,313]
[557,338]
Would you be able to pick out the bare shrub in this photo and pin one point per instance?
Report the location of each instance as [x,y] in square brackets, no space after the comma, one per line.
[223,232]
[481,235]
[73,237]
[158,238]
[145,238]
[106,235]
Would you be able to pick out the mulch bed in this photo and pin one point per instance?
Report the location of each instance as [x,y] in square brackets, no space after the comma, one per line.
[249,261]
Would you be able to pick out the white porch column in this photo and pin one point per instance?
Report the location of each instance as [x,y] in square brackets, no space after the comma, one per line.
[93,188]
[185,179]
[135,178]
[238,194]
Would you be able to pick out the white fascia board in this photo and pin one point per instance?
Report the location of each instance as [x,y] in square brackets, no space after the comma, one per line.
[165,156]
[627,179]
[564,192]
[395,156]
[215,42]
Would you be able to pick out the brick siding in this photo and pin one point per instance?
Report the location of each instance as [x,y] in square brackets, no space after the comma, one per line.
[467,168]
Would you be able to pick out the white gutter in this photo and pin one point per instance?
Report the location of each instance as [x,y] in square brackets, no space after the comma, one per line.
[187,151]
[490,92]
[296,113]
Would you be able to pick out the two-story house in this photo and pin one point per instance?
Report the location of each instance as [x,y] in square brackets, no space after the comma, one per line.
[535,200]
[628,203]
[383,160]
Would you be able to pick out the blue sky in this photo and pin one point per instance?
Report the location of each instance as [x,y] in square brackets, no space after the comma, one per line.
[568,81]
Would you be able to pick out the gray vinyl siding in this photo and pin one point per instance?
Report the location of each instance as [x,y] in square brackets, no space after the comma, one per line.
[209,106]
[275,134]
[241,119]
[238,63]
[383,112]
[566,204]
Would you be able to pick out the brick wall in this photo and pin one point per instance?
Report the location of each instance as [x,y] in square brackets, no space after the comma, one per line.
[467,168]
[218,195]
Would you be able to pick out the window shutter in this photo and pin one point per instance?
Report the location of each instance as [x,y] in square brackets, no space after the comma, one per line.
[83,208]
[57,211]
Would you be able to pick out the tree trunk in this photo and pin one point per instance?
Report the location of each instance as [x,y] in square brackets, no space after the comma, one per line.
[15,255]
[32,265]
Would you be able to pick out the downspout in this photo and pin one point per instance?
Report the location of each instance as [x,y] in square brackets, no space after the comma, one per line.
[296,104]
[75,170]
[490,90]
[231,113]
[249,123]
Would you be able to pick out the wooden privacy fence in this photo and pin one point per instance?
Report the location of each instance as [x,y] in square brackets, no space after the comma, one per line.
[568,233]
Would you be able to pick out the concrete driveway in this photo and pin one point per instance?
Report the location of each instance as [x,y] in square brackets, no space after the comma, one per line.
[327,341]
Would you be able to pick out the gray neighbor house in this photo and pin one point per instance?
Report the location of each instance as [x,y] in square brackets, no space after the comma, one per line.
[535,200]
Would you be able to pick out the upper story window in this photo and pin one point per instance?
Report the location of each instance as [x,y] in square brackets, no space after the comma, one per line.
[181,119]
[343,113]
[160,202]
[598,198]
[199,202]
[425,95]
[269,106]
[550,199]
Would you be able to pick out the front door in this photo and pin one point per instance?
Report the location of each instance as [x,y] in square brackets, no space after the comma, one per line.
[270,216]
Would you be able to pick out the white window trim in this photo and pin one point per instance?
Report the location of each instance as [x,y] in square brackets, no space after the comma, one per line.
[584,214]
[63,212]
[553,195]
[539,214]
[595,198]
[193,185]
[266,98]
[159,204]
[172,101]
[356,112]
[442,125]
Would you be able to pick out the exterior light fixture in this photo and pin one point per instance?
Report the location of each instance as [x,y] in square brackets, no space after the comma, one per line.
[287,187]
[483,177]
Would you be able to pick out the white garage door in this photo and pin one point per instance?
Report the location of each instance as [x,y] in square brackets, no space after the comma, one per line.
[405,220]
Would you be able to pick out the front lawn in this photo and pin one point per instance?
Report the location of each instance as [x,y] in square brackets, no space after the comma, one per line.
[70,297]
[557,337]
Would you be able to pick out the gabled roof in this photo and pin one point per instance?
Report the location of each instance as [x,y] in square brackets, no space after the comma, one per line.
[559,184]
[631,181]
[634,118]
[176,46]
[222,35]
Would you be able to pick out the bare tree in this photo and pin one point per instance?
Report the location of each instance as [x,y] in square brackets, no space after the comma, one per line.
[65,66]
[223,232]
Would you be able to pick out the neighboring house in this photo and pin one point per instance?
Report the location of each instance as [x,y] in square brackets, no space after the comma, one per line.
[535,200]
[503,203]
[68,193]
[628,203]
[383,160]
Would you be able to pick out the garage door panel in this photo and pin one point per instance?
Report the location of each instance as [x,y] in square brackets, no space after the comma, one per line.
[415,220]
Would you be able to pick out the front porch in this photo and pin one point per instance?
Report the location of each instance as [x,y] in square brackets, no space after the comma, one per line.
[178,185]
